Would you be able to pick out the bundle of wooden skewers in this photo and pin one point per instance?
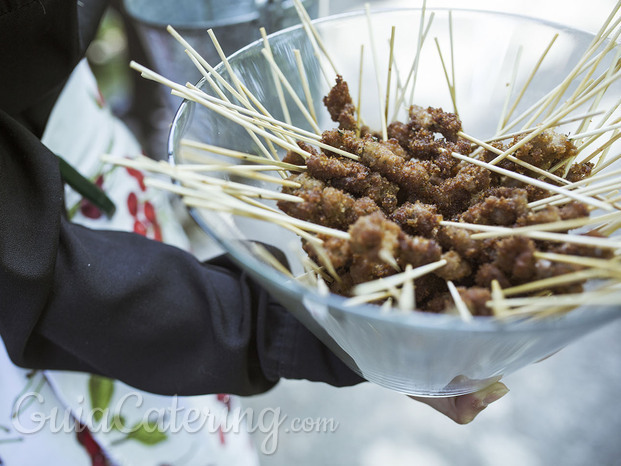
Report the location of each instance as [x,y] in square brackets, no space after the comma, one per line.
[584,177]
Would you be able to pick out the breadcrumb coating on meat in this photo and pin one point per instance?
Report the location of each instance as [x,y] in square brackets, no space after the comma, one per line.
[393,199]
[340,105]
[354,178]
[417,218]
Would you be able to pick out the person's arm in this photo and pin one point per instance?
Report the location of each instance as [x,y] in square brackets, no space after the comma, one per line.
[123,306]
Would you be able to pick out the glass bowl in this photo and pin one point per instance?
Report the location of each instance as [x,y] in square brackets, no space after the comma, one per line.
[416,353]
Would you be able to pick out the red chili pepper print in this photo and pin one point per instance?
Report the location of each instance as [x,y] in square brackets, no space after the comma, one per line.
[140,228]
[149,212]
[91,446]
[132,204]
[139,176]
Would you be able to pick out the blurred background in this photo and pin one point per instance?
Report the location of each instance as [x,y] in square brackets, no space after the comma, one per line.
[562,411]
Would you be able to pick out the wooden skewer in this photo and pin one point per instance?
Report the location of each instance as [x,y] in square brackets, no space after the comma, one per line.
[540,310]
[450,83]
[610,297]
[446,76]
[551,226]
[245,171]
[312,32]
[271,153]
[277,84]
[452,44]
[390,64]
[194,189]
[534,315]
[611,228]
[211,185]
[239,155]
[585,124]
[322,287]
[309,277]
[461,306]
[595,132]
[304,138]
[207,76]
[324,258]
[186,93]
[407,300]
[580,185]
[604,156]
[537,313]
[583,64]
[603,150]
[313,271]
[593,262]
[228,167]
[368,298]
[206,66]
[587,84]
[202,65]
[191,187]
[358,106]
[245,123]
[552,120]
[413,74]
[502,121]
[241,88]
[595,190]
[607,114]
[586,62]
[386,256]
[396,280]
[502,136]
[607,243]
[232,75]
[305,86]
[377,76]
[559,280]
[258,118]
[197,95]
[608,163]
[248,211]
[269,258]
[604,176]
[253,201]
[399,89]
[529,80]
[529,166]
[252,123]
[498,307]
[291,91]
[582,145]
[253,119]
[386,306]
[311,238]
[535,182]
[146,164]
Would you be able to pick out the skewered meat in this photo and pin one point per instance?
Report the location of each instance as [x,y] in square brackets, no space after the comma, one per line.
[393,199]
[354,178]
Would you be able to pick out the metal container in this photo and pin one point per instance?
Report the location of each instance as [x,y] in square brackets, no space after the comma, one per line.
[235,23]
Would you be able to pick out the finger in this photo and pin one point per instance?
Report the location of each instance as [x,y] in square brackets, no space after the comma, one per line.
[467,407]
[463,409]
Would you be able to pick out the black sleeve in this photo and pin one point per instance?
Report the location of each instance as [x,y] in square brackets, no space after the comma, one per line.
[120,305]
